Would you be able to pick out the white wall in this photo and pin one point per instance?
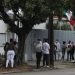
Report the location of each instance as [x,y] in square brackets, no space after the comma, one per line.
[61,35]
[3,27]
[2,50]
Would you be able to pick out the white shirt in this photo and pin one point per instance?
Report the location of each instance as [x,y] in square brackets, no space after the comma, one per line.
[69,44]
[38,46]
[58,46]
[46,48]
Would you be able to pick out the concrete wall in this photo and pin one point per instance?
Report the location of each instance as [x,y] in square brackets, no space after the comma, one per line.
[64,36]
[34,34]
[32,37]
[4,36]
[3,30]
[3,27]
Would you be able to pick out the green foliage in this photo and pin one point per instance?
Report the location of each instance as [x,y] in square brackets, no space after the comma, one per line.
[34,12]
[66,27]
[70,4]
[30,8]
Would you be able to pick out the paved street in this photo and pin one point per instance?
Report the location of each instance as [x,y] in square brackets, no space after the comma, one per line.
[51,72]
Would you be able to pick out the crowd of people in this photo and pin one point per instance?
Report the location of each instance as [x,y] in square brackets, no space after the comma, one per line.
[10,49]
[42,50]
[61,51]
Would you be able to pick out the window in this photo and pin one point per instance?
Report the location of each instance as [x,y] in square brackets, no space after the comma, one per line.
[2,39]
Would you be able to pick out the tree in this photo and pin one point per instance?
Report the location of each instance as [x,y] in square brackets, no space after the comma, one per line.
[34,12]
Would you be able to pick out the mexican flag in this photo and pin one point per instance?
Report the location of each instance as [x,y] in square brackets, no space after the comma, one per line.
[70,19]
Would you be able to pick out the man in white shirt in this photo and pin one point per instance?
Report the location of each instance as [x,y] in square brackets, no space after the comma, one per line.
[58,50]
[38,47]
[45,50]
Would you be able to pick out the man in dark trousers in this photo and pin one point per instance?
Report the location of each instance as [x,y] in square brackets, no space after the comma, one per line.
[64,46]
[46,48]
[72,52]
[38,46]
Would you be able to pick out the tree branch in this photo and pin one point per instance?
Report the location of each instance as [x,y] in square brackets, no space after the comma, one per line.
[14,28]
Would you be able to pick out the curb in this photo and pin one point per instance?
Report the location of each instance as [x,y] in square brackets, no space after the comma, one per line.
[31,70]
[19,71]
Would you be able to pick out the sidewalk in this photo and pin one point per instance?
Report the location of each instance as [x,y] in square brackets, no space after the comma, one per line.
[20,68]
[65,64]
[31,67]
[58,64]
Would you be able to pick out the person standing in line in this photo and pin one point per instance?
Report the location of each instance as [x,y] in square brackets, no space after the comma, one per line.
[72,52]
[46,48]
[16,50]
[38,47]
[54,47]
[69,45]
[58,50]
[63,50]
[10,54]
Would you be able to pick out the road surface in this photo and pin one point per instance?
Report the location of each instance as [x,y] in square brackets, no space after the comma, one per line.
[70,71]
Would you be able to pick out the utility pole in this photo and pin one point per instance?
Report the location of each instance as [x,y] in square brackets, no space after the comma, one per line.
[51,38]
[50,32]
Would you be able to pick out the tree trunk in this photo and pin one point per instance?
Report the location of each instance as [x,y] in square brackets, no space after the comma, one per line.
[21,44]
